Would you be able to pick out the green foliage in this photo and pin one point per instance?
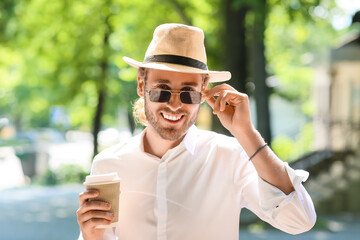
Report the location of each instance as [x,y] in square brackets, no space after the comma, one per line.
[52,51]
[66,173]
[288,149]
[257,227]
[296,39]
[57,48]
[284,147]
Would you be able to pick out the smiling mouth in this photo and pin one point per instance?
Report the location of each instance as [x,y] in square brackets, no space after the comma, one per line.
[172,117]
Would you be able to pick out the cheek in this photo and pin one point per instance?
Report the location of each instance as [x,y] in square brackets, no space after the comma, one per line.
[193,109]
[150,106]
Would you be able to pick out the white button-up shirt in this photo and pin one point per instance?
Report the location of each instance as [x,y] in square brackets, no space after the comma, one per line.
[197,190]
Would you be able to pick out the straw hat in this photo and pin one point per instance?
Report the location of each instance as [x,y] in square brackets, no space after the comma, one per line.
[179,48]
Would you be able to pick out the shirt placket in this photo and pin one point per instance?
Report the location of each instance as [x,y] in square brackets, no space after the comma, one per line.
[162,200]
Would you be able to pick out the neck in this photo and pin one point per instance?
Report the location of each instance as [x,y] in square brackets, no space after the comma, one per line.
[155,145]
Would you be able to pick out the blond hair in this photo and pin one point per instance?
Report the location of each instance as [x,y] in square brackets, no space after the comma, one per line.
[139,105]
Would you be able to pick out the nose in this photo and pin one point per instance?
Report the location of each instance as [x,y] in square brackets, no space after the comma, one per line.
[175,103]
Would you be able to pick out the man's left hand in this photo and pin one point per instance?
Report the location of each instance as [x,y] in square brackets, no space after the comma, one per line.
[231,106]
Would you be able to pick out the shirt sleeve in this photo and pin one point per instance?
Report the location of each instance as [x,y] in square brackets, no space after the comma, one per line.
[293,213]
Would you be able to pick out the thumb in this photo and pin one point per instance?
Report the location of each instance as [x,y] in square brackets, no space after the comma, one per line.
[211,101]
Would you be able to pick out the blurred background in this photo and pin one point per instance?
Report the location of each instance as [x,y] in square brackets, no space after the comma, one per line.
[66,94]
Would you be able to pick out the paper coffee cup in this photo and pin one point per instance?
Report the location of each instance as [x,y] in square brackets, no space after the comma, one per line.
[108,186]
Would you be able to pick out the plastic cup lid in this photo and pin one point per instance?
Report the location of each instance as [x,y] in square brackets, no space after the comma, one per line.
[102,178]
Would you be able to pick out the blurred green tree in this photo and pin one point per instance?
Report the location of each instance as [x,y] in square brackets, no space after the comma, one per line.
[68,53]
[298,37]
[276,38]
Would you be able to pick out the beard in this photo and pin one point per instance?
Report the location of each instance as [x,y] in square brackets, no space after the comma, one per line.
[169,133]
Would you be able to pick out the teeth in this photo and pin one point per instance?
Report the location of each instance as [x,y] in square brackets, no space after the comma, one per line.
[171,117]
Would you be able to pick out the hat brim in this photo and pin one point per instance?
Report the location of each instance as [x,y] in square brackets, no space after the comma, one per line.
[214,76]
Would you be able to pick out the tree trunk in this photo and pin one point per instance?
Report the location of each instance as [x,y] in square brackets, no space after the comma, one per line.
[98,114]
[259,70]
[180,9]
[131,120]
[235,53]
[235,45]
[101,86]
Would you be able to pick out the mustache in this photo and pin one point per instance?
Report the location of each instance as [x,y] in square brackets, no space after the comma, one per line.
[168,111]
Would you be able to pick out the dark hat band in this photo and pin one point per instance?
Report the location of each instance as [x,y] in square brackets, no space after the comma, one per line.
[175,59]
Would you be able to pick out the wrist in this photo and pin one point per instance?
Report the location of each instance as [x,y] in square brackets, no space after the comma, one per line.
[250,139]
[245,132]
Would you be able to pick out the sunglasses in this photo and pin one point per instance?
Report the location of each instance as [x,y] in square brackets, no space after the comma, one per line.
[186,97]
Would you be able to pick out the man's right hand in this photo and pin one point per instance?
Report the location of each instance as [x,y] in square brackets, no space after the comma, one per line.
[91,214]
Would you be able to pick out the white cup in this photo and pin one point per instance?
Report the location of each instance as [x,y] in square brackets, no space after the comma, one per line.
[108,186]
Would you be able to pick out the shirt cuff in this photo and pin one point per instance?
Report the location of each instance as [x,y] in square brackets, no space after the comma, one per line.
[271,197]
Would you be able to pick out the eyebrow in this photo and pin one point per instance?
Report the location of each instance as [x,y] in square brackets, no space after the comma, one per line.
[194,84]
[162,81]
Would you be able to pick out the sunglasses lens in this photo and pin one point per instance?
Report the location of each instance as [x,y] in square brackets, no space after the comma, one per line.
[159,95]
[190,97]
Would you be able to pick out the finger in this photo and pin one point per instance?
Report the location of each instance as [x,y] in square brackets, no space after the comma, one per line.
[218,103]
[96,214]
[93,205]
[225,99]
[211,101]
[85,196]
[234,97]
[215,91]
[239,98]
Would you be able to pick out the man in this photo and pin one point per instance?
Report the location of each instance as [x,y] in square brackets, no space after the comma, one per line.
[178,182]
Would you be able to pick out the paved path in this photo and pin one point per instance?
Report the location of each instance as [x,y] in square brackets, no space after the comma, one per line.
[48,213]
[39,213]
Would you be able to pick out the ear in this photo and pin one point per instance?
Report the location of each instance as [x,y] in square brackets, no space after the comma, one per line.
[204,87]
[140,86]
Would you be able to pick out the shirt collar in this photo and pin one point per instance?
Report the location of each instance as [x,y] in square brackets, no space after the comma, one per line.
[189,140]
[141,142]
